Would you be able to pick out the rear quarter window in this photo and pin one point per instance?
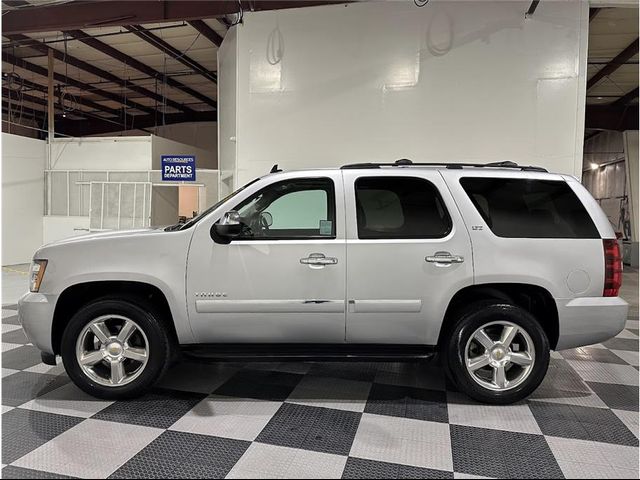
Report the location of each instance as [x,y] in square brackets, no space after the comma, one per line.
[528,208]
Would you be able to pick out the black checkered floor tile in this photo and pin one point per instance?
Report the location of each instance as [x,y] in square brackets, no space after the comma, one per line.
[322,420]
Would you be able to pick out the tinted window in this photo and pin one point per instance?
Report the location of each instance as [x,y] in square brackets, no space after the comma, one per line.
[298,208]
[399,207]
[524,208]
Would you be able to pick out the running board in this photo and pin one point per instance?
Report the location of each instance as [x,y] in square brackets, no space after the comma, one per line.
[304,352]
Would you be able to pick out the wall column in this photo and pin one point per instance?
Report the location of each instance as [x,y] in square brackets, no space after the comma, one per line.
[631,157]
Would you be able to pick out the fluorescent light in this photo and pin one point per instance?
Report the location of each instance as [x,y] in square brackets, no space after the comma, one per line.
[594,166]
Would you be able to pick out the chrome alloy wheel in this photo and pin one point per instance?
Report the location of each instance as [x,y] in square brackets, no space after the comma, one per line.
[499,356]
[112,350]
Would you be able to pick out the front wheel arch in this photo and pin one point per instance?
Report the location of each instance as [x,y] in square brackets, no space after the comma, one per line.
[157,349]
[74,297]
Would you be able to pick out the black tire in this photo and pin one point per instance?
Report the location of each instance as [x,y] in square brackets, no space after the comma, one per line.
[160,348]
[473,318]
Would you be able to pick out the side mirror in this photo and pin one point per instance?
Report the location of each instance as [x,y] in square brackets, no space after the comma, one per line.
[266,219]
[228,227]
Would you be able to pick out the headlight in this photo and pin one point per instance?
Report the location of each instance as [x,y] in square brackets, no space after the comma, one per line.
[35,274]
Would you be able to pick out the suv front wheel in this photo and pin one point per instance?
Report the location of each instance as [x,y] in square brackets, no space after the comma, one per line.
[114,349]
[496,353]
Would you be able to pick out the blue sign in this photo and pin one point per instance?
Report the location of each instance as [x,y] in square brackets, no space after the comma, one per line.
[178,168]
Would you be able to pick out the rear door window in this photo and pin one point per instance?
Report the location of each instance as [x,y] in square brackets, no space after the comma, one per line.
[527,208]
[400,207]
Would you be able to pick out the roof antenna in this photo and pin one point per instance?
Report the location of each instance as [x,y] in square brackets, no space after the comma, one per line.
[403,161]
[275,169]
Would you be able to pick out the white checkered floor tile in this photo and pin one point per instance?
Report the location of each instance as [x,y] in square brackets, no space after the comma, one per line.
[322,420]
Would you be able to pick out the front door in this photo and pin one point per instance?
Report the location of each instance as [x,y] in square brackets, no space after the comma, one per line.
[283,279]
[408,252]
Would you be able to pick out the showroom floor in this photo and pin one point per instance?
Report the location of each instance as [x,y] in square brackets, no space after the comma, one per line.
[323,420]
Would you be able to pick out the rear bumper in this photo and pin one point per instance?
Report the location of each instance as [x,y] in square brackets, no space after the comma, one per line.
[35,313]
[589,320]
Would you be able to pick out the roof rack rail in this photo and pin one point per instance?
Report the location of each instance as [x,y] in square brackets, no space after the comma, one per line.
[404,162]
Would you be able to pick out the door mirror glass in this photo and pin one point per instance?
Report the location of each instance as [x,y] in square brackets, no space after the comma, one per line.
[228,227]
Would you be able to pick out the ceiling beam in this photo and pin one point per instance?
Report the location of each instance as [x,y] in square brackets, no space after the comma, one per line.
[33,113]
[96,126]
[608,117]
[207,32]
[614,64]
[38,70]
[136,64]
[98,72]
[173,52]
[87,67]
[627,98]
[81,101]
[116,123]
[14,96]
[87,14]
[593,12]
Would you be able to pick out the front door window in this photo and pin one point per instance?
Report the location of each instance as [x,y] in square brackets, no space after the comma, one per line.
[291,209]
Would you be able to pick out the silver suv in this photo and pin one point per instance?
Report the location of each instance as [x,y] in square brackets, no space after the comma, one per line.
[490,266]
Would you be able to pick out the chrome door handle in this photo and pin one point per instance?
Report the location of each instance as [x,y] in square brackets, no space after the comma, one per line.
[444,258]
[318,259]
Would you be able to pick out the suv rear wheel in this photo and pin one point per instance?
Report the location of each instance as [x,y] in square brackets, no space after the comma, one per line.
[496,353]
[114,349]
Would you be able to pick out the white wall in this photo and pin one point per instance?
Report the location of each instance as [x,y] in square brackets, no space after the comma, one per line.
[137,153]
[227,91]
[26,128]
[165,204]
[59,227]
[377,81]
[163,146]
[202,135]
[23,163]
[615,183]
[633,173]
[102,153]
[607,183]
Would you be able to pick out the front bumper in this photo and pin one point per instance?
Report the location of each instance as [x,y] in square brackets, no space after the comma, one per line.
[589,320]
[35,313]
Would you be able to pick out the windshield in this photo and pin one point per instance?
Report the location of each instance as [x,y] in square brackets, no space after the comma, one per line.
[196,219]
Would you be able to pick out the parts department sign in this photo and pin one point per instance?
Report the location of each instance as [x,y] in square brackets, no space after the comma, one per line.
[178,168]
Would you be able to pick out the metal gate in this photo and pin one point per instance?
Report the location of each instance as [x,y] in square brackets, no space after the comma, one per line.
[119,205]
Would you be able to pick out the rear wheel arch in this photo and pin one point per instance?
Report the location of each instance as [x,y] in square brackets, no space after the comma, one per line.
[142,294]
[536,300]
[496,353]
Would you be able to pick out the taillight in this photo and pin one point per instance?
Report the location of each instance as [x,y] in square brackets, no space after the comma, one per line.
[612,268]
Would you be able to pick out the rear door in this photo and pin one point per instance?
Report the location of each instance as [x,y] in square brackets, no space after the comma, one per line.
[408,252]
